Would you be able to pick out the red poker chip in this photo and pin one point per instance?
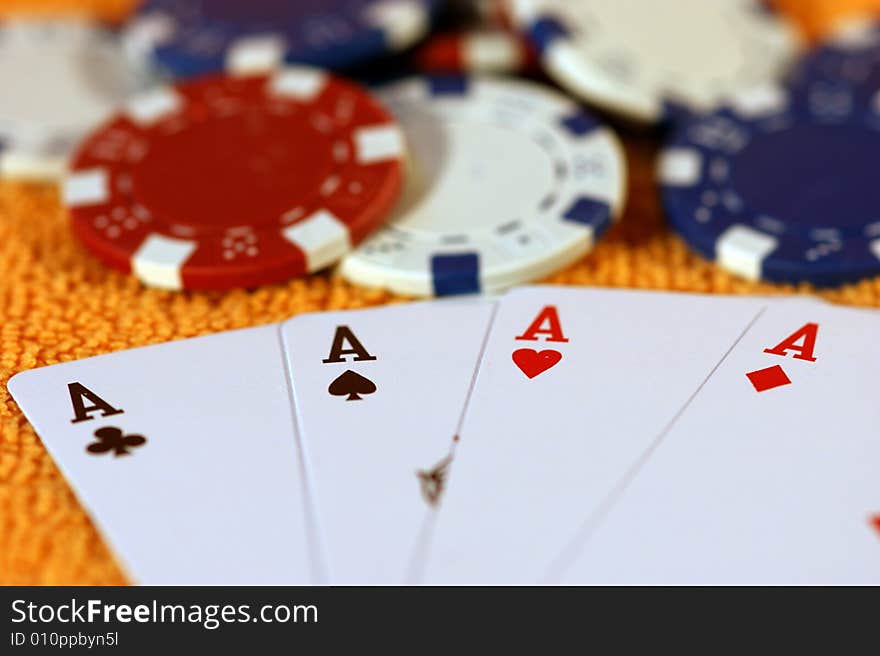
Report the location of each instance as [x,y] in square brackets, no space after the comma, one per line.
[236,181]
[479,50]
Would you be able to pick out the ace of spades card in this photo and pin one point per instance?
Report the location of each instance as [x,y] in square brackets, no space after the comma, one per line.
[185,456]
[377,396]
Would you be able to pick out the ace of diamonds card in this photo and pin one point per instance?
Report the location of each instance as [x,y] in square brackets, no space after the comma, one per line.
[770,475]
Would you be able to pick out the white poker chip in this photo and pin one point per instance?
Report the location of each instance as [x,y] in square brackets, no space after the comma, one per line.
[60,78]
[646,60]
[508,183]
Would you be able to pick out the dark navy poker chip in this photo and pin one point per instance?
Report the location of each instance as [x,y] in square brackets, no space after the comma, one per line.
[781,184]
[850,56]
[193,37]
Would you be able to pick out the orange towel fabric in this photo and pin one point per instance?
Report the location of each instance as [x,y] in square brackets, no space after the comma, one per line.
[817,17]
[57,303]
[112,11]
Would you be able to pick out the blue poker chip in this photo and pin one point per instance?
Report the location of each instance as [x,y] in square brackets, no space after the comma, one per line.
[194,37]
[781,184]
[850,56]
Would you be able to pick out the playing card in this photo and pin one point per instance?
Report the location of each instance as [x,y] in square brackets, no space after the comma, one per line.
[185,456]
[770,475]
[573,388]
[378,395]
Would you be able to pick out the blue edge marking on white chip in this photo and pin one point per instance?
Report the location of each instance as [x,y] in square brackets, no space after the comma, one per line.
[327,33]
[782,184]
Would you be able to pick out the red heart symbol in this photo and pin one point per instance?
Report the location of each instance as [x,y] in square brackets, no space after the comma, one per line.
[532,362]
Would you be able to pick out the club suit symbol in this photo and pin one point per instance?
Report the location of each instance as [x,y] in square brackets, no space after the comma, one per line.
[113,439]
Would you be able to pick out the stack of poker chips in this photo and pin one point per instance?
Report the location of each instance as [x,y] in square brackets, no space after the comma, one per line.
[219,144]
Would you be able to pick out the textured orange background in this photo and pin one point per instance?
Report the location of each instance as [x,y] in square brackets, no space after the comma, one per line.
[816,17]
[57,304]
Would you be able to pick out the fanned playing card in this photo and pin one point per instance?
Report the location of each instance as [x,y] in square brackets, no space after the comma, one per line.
[574,387]
[185,456]
[378,394]
[770,475]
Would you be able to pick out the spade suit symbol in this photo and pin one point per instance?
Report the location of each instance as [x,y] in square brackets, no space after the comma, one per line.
[351,384]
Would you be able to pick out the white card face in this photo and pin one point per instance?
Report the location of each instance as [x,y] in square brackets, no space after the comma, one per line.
[198,480]
[378,395]
[770,475]
[575,385]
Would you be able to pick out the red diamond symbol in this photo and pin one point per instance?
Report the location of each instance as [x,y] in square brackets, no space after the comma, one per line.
[767,379]
[875,522]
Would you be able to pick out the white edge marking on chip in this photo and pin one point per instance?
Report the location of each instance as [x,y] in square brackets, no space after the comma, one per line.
[760,101]
[402,21]
[298,82]
[414,89]
[741,250]
[149,31]
[255,54]
[492,51]
[855,33]
[159,260]
[153,106]
[875,248]
[87,187]
[680,167]
[28,166]
[322,237]
[379,144]
[523,11]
